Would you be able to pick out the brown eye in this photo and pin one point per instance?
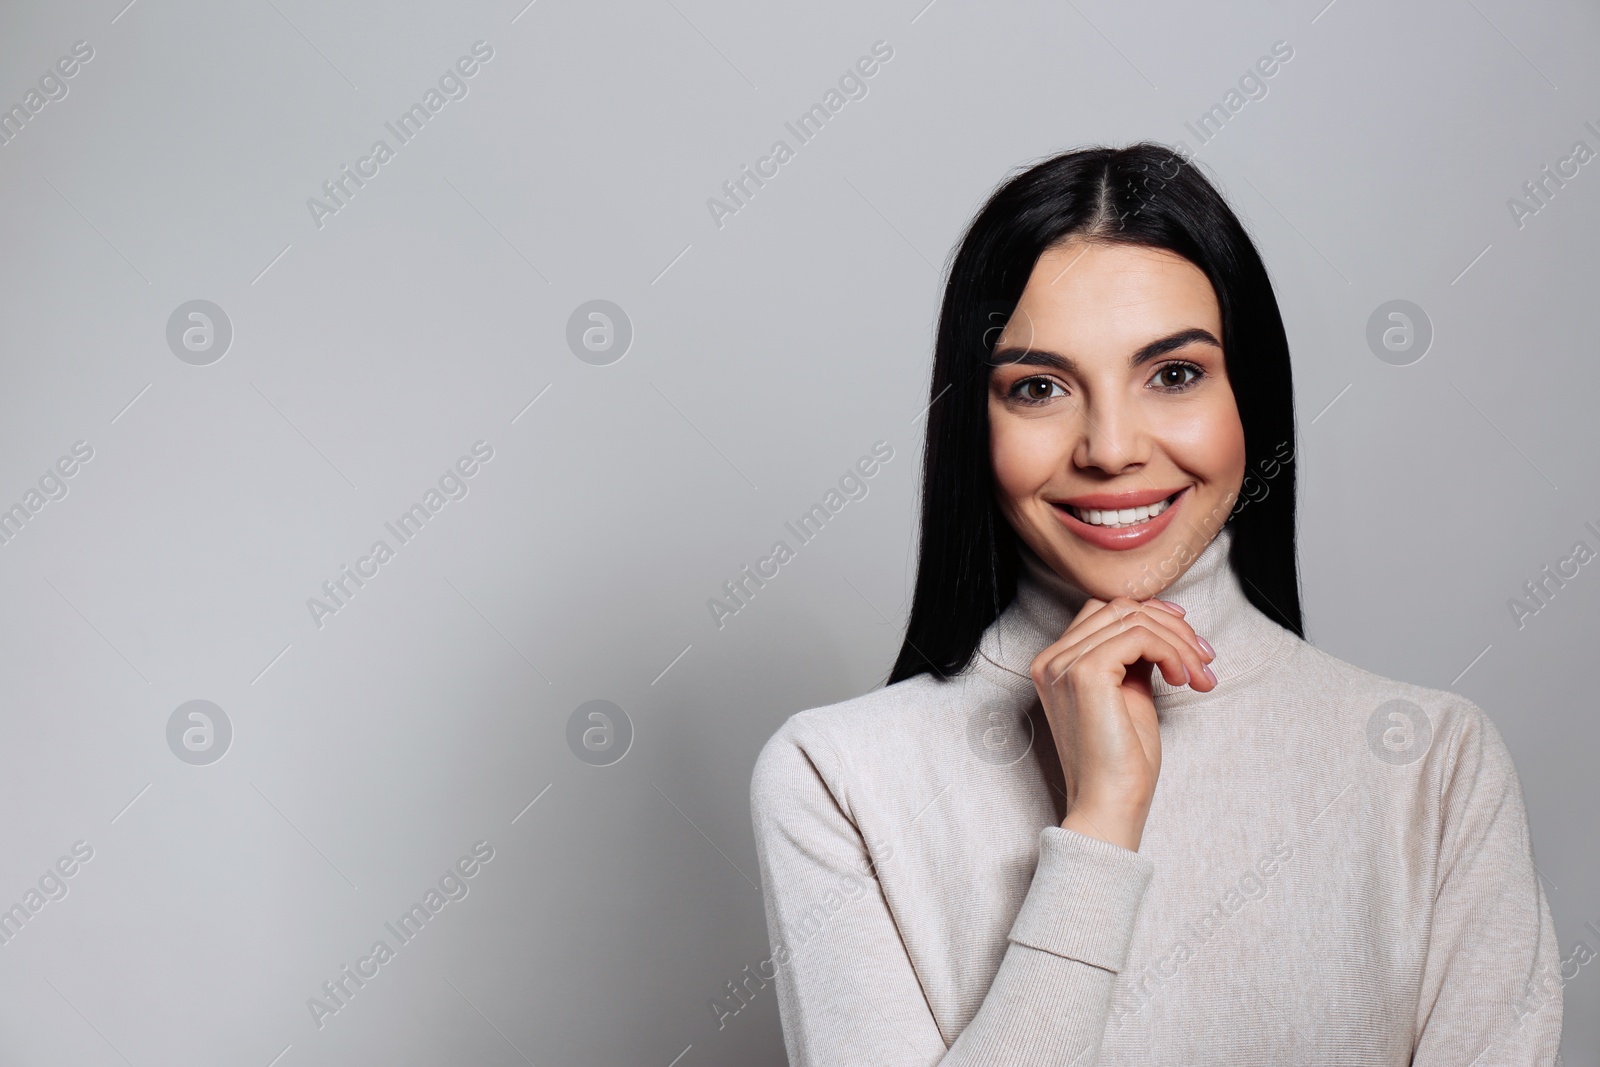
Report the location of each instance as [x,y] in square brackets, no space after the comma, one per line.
[1037,390]
[1177,376]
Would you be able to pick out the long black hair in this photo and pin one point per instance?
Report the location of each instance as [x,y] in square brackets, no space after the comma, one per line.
[1144,194]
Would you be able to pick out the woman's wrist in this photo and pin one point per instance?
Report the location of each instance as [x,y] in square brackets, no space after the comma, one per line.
[1123,829]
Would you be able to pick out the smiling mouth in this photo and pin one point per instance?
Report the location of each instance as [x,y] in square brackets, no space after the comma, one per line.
[1120,519]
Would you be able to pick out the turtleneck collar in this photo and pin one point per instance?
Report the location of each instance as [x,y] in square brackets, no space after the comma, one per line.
[1209,591]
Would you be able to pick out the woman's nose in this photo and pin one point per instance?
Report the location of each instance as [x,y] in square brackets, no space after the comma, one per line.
[1111,437]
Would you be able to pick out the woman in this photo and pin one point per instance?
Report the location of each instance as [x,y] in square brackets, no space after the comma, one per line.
[1112,807]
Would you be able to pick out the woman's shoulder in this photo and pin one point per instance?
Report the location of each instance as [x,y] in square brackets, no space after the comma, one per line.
[1401,722]
[914,729]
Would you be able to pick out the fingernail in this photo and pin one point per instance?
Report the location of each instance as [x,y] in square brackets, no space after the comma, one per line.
[1210,673]
[1175,607]
[1207,646]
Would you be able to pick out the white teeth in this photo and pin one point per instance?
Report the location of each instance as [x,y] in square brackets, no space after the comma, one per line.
[1123,517]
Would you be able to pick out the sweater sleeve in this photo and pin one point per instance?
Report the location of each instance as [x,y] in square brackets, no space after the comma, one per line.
[1491,986]
[847,991]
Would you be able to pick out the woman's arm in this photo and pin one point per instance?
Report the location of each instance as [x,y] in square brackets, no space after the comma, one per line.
[846,988]
[1491,988]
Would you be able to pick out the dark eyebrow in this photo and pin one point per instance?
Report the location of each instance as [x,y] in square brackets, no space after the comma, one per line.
[1037,357]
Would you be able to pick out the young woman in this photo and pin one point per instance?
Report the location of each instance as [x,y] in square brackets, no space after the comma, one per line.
[1112,807]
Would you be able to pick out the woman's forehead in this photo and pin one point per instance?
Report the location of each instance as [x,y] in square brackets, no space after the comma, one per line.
[1096,294]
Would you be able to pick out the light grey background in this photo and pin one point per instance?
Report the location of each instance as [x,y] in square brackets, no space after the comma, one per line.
[768,354]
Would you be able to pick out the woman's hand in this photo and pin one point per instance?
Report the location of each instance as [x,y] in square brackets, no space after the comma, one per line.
[1094,684]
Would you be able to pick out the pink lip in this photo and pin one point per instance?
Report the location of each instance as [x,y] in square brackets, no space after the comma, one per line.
[1128,537]
[1118,501]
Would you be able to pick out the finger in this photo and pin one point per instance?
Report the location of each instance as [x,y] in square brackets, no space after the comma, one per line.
[1141,641]
[1177,625]
[1100,652]
[1090,607]
[1113,612]
[1095,615]
[1184,639]
[1091,627]
[1181,628]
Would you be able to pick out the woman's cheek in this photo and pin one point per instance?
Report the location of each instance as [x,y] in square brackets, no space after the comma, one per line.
[1020,453]
[1209,441]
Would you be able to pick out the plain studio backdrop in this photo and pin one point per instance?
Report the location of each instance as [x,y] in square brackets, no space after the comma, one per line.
[260,346]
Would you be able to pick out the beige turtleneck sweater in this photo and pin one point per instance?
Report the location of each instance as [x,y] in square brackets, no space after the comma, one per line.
[1324,877]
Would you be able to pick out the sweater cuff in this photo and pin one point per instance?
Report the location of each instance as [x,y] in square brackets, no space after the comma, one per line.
[1084,899]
